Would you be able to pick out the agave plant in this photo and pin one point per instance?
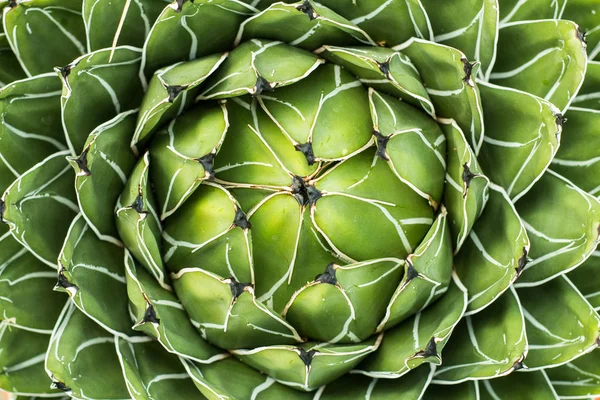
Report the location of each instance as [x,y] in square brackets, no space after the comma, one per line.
[239,199]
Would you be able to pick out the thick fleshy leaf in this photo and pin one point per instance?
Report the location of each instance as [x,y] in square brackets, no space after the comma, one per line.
[309,365]
[545,58]
[578,379]
[44,33]
[518,386]
[182,30]
[469,390]
[259,65]
[470,26]
[485,345]
[450,81]
[580,276]
[230,379]
[25,301]
[419,339]
[583,12]
[158,313]
[563,223]
[389,22]
[227,313]
[39,205]
[81,348]
[10,69]
[589,95]
[101,172]
[350,387]
[30,125]
[465,187]
[170,91]
[578,158]
[521,138]
[97,87]
[22,355]
[111,23]
[305,24]
[183,155]
[152,373]
[427,273]
[561,324]
[494,253]
[137,221]
[92,273]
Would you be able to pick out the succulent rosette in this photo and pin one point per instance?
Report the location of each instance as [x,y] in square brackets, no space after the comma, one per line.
[308,200]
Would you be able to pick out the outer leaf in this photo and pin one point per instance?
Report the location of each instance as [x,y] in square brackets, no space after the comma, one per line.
[518,386]
[565,240]
[545,58]
[152,373]
[81,348]
[468,390]
[101,173]
[448,76]
[38,206]
[489,344]
[561,324]
[472,28]
[188,24]
[10,69]
[25,301]
[578,158]
[123,22]
[494,253]
[580,276]
[578,379]
[22,354]
[389,22]
[44,33]
[30,125]
[465,187]
[96,88]
[522,137]
[93,275]
[589,95]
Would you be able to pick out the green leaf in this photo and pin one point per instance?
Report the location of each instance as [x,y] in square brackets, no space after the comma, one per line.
[561,324]
[10,69]
[521,138]
[356,387]
[309,365]
[101,172]
[115,23]
[520,385]
[92,273]
[578,158]
[468,390]
[545,58]
[181,31]
[137,221]
[25,299]
[427,274]
[419,339]
[380,68]
[580,276]
[470,26]
[170,91]
[96,88]
[80,348]
[39,205]
[159,313]
[563,223]
[152,373]
[389,22]
[485,345]
[449,78]
[494,253]
[22,355]
[30,124]
[259,65]
[579,378]
[44,33]
[465,187]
